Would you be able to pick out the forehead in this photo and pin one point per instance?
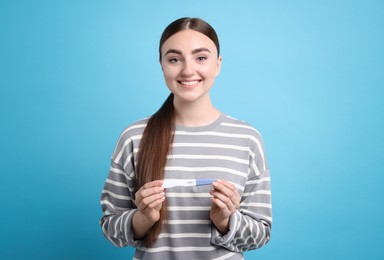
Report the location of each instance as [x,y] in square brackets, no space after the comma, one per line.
[188,40]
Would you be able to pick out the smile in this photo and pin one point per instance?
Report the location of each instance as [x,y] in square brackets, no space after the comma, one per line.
[189,83]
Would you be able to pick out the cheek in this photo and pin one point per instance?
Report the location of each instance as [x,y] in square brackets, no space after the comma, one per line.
[168,73]
[168,77]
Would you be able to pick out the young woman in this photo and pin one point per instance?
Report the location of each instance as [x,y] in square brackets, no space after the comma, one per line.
[188,139]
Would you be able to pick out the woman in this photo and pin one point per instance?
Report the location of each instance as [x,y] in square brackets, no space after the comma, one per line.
[188,138]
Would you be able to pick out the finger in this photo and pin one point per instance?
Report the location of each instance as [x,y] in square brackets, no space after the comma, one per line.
[228,189]
[154,206]
[156,183]
[151,201]
[224,200]
[222,206]
[150,190]
[226,184]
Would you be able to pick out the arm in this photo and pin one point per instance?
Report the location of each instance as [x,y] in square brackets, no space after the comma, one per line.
[128,225]
[248,227]
[149,200]
[118,207]
[250,224]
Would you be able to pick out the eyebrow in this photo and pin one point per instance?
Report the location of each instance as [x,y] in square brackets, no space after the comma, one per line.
[193,52]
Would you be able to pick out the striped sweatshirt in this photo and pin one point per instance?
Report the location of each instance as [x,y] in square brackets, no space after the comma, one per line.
[227,149]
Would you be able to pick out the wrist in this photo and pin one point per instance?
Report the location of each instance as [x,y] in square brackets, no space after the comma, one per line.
[141,225]
[222,226]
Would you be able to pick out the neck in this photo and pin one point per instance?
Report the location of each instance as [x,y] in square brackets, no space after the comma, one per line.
[195,114]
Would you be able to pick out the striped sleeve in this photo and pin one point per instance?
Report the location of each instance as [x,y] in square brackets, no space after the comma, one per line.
[117,198]
[250,226]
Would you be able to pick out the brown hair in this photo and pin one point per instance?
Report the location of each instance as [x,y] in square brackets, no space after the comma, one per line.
[158,135]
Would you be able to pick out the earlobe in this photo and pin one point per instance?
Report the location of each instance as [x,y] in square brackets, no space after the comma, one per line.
[218,68]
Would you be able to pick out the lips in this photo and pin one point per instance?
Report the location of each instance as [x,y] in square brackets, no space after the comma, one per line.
[189,83]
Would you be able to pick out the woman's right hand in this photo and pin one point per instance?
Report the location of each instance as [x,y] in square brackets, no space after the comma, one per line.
[149,200]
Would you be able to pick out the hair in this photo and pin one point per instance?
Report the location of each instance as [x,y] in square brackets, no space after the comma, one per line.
[157,137]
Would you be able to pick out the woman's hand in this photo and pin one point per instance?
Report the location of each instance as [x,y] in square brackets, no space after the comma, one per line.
[149,200]
[225,201]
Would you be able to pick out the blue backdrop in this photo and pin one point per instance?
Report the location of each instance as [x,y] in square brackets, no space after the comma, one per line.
[308,74]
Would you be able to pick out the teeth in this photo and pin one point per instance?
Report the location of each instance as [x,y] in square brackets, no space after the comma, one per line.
[189,83]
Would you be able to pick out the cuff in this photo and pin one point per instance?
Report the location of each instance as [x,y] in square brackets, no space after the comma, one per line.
[225,240]
[129,230]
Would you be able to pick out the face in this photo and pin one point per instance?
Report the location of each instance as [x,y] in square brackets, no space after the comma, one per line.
[190,64]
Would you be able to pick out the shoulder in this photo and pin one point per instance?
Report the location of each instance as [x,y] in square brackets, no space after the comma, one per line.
[256,143]
[240,127]
[129,139]
[132,132]
[134,129]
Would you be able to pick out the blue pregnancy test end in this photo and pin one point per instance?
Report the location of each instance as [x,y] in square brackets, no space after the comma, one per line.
[200,182]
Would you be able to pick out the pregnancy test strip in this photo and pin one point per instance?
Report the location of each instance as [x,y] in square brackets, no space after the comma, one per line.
[169,183]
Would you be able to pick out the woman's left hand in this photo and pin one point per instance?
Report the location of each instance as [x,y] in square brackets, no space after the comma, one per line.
[225,201]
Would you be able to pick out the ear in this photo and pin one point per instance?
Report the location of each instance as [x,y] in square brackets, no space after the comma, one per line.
[218,66]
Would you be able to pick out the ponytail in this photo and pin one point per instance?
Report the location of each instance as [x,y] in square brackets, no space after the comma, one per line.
[152,156]
[158,134]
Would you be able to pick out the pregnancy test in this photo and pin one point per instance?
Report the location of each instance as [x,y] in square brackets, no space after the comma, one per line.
[169,183]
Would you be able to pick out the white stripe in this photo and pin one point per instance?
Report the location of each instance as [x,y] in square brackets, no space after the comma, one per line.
[116,183]
[262,217]
[259,205]
[189,208]
[207,157]
[265,179]
[241,126]
[225,256]
[188,222]
[262,192]
[130,176]
[128,160]
[117,222]
[126,225]
[198,194]
[117,196]
[135,126]
[187,195]
[186,235]
[255,169]
[211,145]
[106,202]
[238,186]
[181,249]
[115,170]
[203,169]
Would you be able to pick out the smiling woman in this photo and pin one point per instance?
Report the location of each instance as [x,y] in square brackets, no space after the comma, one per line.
[189,171]
[190,64]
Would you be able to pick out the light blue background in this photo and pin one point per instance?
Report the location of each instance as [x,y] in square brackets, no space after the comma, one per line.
[308,74]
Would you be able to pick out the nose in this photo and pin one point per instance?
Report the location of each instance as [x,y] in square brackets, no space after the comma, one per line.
[187,69]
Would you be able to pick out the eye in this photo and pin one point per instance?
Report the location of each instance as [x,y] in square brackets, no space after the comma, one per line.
[201,58]
[174,60]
